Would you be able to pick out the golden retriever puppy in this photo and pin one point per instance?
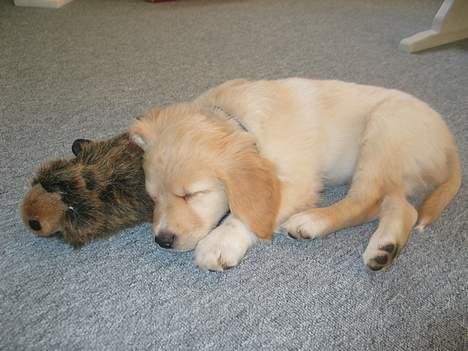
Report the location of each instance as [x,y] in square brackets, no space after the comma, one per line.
[248,157]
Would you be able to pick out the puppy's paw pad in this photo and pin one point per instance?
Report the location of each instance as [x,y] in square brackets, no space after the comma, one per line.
[381,258]
[391,249]
[304,226]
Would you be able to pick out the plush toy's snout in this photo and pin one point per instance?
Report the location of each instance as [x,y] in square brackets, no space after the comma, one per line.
[43,212]
[35,224]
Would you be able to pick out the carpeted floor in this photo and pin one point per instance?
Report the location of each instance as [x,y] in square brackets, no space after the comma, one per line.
[85,70]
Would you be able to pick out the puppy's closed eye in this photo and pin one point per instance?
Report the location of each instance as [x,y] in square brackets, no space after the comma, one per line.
[185,197]
[190,196]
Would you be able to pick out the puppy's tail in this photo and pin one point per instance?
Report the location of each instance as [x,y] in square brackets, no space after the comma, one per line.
[438,200]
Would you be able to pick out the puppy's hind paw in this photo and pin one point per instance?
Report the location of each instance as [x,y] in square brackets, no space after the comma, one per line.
[382,257]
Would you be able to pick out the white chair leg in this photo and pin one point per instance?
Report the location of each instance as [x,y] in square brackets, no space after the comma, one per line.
[450,24]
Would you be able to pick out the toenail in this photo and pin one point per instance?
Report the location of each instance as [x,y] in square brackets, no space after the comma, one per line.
[291,236]
[397,249]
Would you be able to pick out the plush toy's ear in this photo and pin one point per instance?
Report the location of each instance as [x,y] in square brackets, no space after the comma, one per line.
[77,145]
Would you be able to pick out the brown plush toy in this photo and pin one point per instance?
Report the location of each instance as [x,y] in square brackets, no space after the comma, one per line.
[95,194]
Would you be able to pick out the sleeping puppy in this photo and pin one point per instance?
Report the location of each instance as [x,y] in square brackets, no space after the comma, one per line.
[248,157]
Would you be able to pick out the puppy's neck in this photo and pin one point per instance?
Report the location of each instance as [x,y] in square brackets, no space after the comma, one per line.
[218,110]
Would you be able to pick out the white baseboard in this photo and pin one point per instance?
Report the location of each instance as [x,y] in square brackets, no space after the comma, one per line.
[42,3]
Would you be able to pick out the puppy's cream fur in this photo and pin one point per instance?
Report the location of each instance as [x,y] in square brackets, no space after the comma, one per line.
[301,135]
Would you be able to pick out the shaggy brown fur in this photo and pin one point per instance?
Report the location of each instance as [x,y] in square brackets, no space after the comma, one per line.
[95,194]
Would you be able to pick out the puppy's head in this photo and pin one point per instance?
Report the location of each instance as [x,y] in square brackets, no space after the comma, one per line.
[199,167]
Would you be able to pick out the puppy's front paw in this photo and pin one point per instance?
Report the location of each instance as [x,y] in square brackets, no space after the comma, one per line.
[380,257]
[213,253]
[305,225]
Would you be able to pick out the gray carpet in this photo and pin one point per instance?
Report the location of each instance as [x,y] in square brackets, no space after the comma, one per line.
[86,69]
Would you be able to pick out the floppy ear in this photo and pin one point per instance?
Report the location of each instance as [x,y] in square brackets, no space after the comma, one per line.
[254,193]
[77,145]
[140,133]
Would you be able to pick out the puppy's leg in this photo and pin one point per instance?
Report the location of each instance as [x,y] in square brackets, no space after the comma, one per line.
[224,246]
[397,218]
[361,205]
[318,222]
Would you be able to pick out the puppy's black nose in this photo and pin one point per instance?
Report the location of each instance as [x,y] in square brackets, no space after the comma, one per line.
[35,225]
[165,239]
